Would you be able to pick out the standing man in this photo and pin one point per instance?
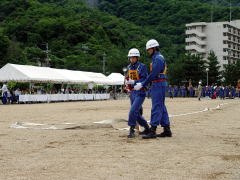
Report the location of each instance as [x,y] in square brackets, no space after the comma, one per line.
[17,93]
[137,72]
[199,90]
[159,114]
[4,93]
[222,94]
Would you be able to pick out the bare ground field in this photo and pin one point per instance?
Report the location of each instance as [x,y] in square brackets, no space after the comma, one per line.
[204,145]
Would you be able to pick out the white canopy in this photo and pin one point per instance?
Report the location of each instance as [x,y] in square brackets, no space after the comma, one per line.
[116,78]
[99,78]
[26,73]
[23,73]
[75,77]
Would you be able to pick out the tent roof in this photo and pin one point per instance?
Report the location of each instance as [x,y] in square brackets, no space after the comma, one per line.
[99,78]
[26,73]
[116,78]
[76,77]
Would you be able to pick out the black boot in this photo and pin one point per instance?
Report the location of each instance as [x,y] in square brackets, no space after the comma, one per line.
[166,132]
[151,134]
[146,130]
[131,132]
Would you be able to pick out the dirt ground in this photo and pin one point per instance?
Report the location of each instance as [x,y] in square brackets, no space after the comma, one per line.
[205,145]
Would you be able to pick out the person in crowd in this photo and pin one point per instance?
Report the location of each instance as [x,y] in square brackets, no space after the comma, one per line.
[17,93]
[199,90]
[137,72]
[183,91]
[233,92]
[221,93]
[176,91]
[227,92]
[207,91]
[4,93]
[210,89]
[159,114]
[191,91]
[9,97]
[170,91]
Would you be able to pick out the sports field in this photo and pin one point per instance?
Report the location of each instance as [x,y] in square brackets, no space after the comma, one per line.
[205,142]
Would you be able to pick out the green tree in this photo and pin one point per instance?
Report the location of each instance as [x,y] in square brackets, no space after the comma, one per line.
[214,67]
[4,45]
[231,73]
[33,55]
[187,67]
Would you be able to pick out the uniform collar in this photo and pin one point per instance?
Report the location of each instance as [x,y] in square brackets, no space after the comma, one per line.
[135,64]
[156,54]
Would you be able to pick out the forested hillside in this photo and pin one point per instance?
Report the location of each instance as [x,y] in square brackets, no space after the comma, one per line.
[167,18]
[79,36]
[219,2]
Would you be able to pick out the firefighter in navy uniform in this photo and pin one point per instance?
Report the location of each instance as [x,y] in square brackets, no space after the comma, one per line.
[159,114]
[137,72]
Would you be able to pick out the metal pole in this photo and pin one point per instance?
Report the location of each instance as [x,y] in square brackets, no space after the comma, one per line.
[104,60]
[30,88]
[47,59]
[207,78]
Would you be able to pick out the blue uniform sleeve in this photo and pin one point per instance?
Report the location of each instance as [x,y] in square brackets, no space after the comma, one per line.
[157,68]
[142,74]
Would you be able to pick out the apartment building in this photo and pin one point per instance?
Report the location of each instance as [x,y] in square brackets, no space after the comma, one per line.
[221,37]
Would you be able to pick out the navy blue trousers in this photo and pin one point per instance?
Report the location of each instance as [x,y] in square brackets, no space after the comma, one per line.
[159,114]
[4,98]
[135,114]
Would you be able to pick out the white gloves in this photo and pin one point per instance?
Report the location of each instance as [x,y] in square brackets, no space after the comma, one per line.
[130,81]
[138,86]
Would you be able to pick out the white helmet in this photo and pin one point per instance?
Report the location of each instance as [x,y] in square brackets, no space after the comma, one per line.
[151,44]
[133,53]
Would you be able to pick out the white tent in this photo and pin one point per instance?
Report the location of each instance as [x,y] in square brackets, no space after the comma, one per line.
[75,77]
[116,78]
[26,73]
[99,78]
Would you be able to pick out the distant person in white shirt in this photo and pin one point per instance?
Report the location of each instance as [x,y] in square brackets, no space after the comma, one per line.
[17,93]
[4,93]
